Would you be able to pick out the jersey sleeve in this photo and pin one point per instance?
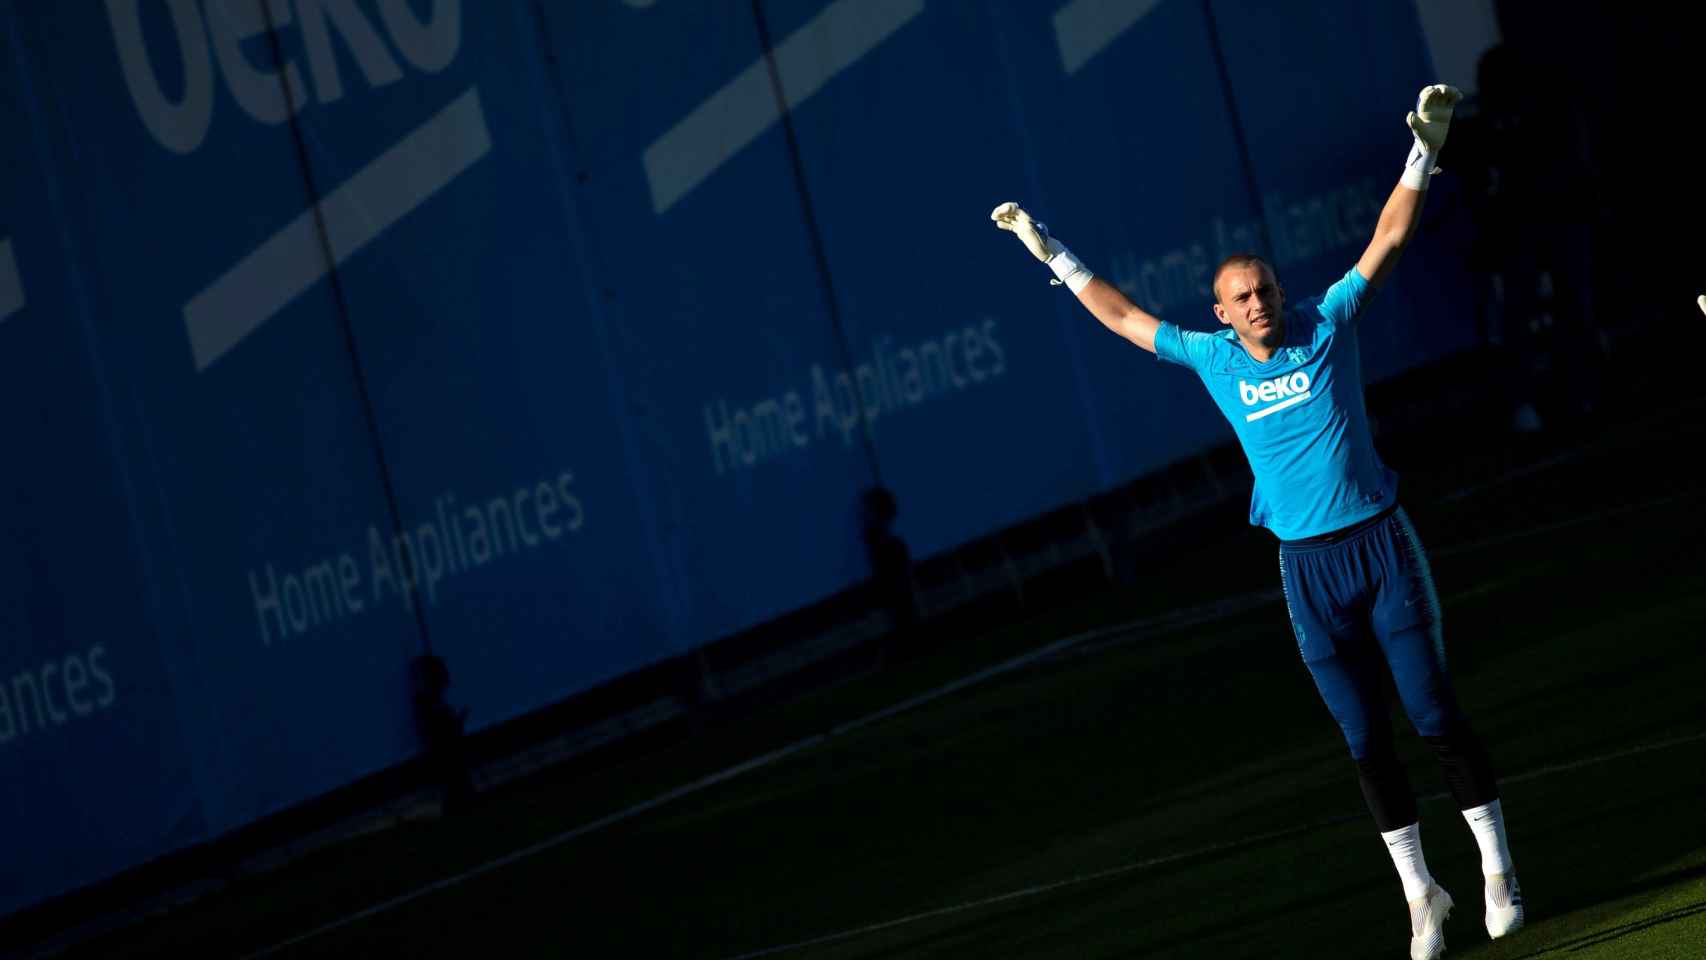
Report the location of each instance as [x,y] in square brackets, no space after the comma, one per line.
[1187,348]
[1343,302]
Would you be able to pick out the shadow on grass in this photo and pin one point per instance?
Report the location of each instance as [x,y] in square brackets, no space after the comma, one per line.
[1621,930]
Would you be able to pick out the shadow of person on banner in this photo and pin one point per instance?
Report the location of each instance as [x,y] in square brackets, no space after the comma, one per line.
[891,572]
[442,730]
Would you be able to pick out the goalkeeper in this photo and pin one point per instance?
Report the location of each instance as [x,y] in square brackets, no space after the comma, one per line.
[1355,578]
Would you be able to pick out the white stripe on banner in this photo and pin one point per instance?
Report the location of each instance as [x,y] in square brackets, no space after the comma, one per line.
[1458,32]
[1276,408]
[1084,28]
[11,288]
[376,197]
[733,117]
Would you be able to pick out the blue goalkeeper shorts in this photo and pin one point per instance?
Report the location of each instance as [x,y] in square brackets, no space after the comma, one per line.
[1363,607]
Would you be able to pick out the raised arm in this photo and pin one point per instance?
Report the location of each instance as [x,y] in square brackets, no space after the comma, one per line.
[1107,304]
[1104,300]
[1403,210]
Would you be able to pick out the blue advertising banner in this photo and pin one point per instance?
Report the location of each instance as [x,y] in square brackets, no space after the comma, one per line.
[449,210]
[1135,165]
[92,746]
[739,393]
[562,339]
[255,487]
[963,375]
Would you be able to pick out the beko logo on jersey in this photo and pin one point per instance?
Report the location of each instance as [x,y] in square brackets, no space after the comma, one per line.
[1278,393]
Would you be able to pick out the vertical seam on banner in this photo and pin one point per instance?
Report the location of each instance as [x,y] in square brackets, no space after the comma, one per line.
[1244,161]
[785,119]
[152,589]
[341,304]
[673,585]
[1071,326]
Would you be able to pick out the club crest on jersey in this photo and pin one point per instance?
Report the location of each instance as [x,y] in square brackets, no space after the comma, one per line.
[1278,393]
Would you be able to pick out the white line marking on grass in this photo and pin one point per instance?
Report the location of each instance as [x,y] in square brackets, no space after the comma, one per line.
[1201,852]
[547,844]
[1505,538]
[1047,887]
[978,677]
[1580,452]
[1521,473]
[1547,771]
[694,787]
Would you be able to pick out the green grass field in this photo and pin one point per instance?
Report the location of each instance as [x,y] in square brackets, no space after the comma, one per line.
[1150,794]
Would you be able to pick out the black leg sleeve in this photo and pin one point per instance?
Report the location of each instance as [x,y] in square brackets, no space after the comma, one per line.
[1386,788]
[1468,771]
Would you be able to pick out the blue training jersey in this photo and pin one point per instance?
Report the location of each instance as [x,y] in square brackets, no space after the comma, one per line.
[1300,416]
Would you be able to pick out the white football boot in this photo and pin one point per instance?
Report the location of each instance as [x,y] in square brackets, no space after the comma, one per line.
[1427,923]
[1504,905]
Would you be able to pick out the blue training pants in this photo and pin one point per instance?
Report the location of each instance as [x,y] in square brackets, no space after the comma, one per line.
[1363,606]
[1363,603]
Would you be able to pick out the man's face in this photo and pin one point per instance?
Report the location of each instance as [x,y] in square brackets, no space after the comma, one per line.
[1252,302]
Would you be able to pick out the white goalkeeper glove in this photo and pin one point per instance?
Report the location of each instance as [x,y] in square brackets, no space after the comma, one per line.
[1429,122]
[1035,236]
[1701,302]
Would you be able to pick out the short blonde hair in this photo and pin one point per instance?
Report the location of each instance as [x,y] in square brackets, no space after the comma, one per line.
[1238,260]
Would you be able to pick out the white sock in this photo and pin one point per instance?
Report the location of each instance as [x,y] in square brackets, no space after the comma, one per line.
[1487,822]
[1406,848]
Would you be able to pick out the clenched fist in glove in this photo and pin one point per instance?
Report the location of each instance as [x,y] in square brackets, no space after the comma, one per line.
[1429,122]
[1035,236]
